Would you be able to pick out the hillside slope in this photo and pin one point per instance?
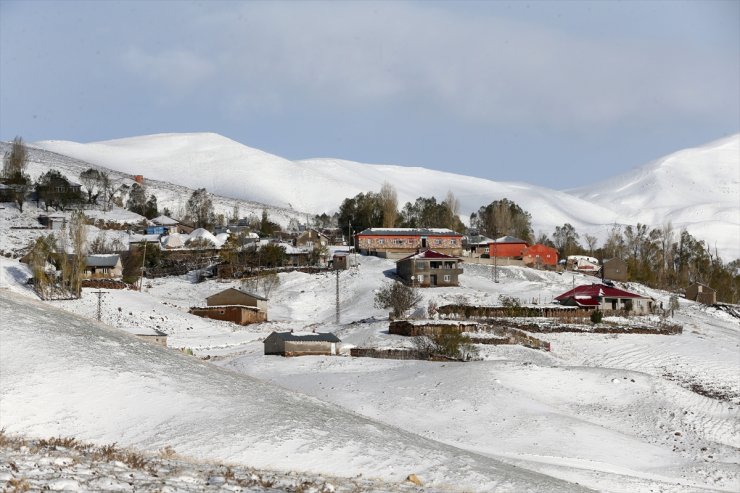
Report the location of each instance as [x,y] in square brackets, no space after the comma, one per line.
[65,375]
[695,189]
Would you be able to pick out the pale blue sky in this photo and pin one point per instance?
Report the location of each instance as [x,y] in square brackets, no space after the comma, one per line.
[558,94]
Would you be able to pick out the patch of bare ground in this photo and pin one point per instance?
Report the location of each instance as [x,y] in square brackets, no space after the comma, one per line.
[713,391]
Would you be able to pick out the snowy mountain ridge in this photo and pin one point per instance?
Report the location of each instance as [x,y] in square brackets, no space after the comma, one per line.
[693,188]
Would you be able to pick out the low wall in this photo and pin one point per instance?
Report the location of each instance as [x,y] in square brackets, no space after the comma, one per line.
[486,312]
[410,329]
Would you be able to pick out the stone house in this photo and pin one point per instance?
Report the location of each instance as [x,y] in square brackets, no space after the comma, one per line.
[311,239]
[103,267]
[234,305]
[301,344]
[701,293]
[429,268]
[400,242]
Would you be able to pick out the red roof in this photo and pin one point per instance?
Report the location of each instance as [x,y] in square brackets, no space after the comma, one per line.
[582,293]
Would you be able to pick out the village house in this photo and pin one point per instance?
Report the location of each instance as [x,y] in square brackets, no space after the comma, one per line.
[607,299]
[166,225]
[429,268]
[701,293]
[152,336]
[475,245]
[103,267]
[301,344]
[52,221]
[234,305]
[540,256]
[614,269]
[312,239]
[400,242]
[507,246]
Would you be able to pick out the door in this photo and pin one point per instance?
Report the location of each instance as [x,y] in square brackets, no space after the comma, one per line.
[433,281]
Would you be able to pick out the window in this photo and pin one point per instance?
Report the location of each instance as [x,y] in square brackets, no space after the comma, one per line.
[437,242]
[421,265]
[453,242]
[398,242]
[381,241]
[420,278]
[447,278]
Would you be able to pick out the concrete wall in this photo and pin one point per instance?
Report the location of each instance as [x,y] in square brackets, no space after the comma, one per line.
[277,346]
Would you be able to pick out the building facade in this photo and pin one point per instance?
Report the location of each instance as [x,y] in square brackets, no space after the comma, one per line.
[540,256]
[400,242]
[295,344]
[429,268]
[607,299]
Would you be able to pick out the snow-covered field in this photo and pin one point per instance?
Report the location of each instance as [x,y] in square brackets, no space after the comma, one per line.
[676,189]
[601,411]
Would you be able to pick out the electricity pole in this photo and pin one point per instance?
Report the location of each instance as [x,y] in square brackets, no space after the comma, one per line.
[143,260]
[337,298]
[495,261]
[100,301]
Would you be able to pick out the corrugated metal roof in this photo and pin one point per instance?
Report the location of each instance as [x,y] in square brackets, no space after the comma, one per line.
[508,239]
[595,291]
[312,337]
[255,296]
[408,232]
[102,260]
[431,254]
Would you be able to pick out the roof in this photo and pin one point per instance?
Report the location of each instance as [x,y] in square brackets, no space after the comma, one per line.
[164,221]
[308,337]
[143,331]
[102,260]
[584,292]
[508,239]
[428,254]
[240,291]
[408,232]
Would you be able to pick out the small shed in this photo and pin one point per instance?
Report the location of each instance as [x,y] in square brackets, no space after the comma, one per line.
[507,246]
[343,260]
[701,293]
[301,344]
[149,335]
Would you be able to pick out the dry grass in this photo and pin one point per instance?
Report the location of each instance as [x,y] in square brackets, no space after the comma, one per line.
[17,485]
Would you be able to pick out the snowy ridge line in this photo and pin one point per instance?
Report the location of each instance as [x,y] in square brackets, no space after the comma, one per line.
[79,369]
[168,194]
[674,188]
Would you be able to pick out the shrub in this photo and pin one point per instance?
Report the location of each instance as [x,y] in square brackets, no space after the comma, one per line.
[398,297]
[596,316]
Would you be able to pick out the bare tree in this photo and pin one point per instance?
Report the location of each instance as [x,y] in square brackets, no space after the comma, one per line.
[397,296]
[15,161]
[388,204]
[90,178]
[591,242]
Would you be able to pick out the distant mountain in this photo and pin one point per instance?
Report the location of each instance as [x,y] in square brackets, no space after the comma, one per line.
[692,188]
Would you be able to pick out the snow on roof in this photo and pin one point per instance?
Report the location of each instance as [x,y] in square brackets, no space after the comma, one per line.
[408,232]
[202,234]
[175,240]
[239,290]
[137,238]
[109,260]
[165,221]
[291,250]
[509,239]
[306,337]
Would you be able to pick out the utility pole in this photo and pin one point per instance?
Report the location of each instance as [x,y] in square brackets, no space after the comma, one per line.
[495,261]
[100,301]
[143,260]
[337,299]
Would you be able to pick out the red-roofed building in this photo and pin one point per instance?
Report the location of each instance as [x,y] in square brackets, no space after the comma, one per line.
[429,268]
[540,255]
[606,299]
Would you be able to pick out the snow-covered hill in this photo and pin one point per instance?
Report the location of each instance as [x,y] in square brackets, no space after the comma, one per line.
[693,188]
[63,374]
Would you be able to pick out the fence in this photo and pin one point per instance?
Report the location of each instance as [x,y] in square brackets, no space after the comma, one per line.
[486,312]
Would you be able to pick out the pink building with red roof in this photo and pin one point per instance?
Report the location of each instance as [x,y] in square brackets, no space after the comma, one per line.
[606,299]
[429,268]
